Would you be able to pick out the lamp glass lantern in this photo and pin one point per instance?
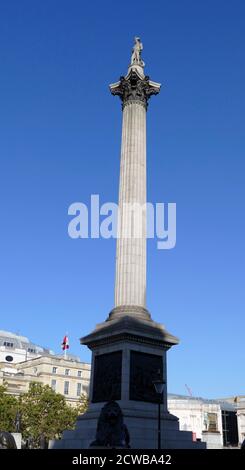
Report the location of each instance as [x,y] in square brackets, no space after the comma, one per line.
[159,385]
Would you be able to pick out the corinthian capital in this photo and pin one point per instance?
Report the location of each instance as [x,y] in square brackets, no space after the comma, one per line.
[135,88]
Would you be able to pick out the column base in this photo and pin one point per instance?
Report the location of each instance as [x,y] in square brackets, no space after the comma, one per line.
[136,311]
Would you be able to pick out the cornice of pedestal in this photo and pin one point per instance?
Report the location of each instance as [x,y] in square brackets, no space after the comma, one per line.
[126,326]
[135,88]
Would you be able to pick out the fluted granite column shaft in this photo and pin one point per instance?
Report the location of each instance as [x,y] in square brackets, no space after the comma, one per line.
[130,283]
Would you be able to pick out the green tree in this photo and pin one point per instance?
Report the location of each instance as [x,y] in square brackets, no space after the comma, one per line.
[82,405]
[8,410]
[45,413]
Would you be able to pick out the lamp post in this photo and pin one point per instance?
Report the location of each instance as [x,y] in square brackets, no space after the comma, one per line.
[159,385]
[17,422]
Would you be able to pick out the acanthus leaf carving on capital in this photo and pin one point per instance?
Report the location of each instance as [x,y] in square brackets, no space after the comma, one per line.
[133,88]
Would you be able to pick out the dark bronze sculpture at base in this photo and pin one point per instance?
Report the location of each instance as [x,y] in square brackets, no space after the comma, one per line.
[111,431]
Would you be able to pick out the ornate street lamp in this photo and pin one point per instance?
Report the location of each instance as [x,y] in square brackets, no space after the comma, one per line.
[159,386]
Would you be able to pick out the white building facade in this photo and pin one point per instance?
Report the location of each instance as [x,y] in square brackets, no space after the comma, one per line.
[23,362]
[220,423]
[16,348]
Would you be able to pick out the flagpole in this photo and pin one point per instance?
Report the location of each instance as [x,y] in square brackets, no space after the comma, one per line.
[66,335]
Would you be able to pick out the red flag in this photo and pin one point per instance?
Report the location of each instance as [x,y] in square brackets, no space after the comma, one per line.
[65,344]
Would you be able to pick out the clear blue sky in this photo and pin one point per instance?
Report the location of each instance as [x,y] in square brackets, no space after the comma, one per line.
[60,142]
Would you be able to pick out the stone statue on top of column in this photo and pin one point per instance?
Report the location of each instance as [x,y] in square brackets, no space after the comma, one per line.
[136,53]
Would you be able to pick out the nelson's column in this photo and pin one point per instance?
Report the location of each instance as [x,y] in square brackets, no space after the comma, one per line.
[129,348]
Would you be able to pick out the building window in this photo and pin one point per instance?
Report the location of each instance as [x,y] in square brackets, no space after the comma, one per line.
[79,389]
[212,424]
[8,345]
[67,371]
[54,370]
[31,350]
[53,384]
[66,388]
[9,358]
[79,373]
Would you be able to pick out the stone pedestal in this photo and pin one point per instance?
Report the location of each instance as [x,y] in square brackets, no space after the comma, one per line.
[212,439]
[128,351]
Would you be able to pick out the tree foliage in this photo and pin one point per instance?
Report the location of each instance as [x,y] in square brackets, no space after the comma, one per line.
[45,413]
[8,410]
[82,406]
